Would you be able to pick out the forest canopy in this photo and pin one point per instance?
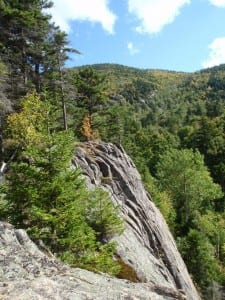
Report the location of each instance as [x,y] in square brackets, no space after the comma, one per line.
[172,124]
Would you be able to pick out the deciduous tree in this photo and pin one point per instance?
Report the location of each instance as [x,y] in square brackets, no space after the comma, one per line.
[183,174]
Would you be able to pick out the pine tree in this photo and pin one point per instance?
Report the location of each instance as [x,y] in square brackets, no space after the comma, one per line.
[49,198]
[23,28]
[91,94]
[58,55]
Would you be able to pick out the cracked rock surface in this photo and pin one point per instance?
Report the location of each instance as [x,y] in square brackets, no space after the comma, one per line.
[26,273]
[146,245]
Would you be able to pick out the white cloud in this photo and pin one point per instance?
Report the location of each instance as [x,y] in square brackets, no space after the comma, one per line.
[155,14]
[217,53]
[132,49]
[219,3]
[85,10]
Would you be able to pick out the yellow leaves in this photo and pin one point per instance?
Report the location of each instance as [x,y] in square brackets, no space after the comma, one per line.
[3,70]
[27,126]
[87,129]
[17,126]
[223,250]
[35,110]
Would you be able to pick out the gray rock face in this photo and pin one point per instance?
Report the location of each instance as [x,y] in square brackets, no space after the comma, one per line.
[26,273]
[147,244]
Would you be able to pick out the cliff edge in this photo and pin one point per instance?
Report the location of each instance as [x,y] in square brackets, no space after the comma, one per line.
[146,247]
[146,244]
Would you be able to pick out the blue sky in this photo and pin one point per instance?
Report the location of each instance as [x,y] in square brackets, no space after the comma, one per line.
[179,35]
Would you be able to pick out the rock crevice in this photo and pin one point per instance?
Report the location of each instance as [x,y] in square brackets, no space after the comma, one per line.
[146,244]
[146,247]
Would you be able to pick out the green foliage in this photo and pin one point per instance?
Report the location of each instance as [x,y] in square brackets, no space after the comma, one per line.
[23,36]
[5,103]
[163,200]
[90,86]
[147,111]
[3,203]
[152,112]
[28,126]
[111,123]
[199,253]
[102,218]
[209,138]
[183,175]
[49,198]
[91,96]
[33,49]
[212,225]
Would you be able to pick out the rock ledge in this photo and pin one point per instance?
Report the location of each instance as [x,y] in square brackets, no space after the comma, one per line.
[146,245]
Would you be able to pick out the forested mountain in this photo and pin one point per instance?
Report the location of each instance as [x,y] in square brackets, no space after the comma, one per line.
[172,124]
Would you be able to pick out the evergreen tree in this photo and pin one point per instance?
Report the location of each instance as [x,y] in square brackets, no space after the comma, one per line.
[49,198]
[183,174]
[33,49]
[58,51]
[91,96]
[5,103]
[198,253]
[24,27]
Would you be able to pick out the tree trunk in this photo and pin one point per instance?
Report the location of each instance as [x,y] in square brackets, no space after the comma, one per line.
[62,94]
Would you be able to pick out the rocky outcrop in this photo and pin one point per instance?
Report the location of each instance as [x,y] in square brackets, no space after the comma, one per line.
[26,273]
[146,247]
[146,244]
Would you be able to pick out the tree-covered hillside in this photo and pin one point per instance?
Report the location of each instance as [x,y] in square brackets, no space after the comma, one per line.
[172,124]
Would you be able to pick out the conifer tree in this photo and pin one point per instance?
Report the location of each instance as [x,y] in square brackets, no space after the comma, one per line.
[183,174]
[49,198]
[23,29]
[58,55]
[91,95]
[33,49]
